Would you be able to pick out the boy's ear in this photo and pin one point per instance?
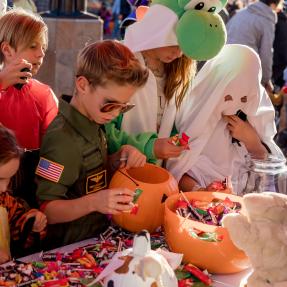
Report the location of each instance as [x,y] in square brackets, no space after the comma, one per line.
[82,84]
[7,50]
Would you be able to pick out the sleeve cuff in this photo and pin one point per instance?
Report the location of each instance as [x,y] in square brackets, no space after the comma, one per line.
[149,149]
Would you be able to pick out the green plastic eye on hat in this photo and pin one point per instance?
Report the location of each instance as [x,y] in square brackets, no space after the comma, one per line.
[200,31]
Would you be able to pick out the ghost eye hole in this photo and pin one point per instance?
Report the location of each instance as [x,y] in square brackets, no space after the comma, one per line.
[244,99]
[199,6]
[228,98]
[212,9]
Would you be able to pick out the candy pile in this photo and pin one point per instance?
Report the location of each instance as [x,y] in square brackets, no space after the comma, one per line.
[205,211]
[81,266]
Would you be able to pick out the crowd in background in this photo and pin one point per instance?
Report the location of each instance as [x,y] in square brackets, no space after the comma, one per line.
[248,22]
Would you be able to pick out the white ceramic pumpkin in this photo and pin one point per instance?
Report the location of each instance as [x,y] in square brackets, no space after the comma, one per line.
[140,266]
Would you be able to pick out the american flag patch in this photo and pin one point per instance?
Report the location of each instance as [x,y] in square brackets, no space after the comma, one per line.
[49,169]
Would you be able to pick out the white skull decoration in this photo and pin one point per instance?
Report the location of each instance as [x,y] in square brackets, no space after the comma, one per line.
[140,266]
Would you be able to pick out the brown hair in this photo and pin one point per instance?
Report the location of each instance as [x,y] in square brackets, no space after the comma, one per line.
[178,76]
[18,27]
[110,60]
[9,148]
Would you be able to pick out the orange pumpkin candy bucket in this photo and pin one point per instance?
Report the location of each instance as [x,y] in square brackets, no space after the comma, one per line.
[220,257]
[156,185]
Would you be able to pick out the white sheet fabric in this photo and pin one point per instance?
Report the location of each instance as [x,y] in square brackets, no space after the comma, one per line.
[155,30]
[3,7]
[235,71]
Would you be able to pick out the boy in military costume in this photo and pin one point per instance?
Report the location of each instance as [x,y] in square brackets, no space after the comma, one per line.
[72,171]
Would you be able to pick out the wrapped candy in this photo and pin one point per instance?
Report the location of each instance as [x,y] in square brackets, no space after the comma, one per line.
[177,141]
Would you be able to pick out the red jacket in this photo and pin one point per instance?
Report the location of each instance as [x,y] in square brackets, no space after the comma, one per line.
[28,112]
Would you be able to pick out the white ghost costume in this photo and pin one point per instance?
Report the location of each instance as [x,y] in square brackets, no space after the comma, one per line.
[236,73]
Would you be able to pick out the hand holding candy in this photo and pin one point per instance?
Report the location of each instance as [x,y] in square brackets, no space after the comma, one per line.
[111,201]
[164,149]
[135,207]
[183,141]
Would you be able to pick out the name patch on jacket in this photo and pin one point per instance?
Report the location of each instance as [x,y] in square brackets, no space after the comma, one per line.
[96,181]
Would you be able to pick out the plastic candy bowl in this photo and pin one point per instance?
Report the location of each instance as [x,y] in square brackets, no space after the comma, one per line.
[156,184]
[217,257]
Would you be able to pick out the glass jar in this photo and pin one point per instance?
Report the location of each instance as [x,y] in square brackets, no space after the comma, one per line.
[264,175]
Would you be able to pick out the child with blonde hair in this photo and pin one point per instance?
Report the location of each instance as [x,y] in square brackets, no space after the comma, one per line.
[26,105]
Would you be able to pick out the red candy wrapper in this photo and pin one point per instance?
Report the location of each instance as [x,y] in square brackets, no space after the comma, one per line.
[216,185]
[135,207]
[177,141]
[198,274]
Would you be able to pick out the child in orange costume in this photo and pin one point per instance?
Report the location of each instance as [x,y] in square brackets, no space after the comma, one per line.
[18,216]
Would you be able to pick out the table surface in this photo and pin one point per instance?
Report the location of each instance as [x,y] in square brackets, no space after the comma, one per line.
[232,280]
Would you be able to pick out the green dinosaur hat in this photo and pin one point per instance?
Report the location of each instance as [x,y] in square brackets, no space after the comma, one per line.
[192,25]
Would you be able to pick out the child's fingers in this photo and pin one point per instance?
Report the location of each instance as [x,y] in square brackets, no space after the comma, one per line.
[40,222]
[140,162]
[122,191]
[230,119]
[25,75]
[230,127]
[24,64]
[124,199]
[177,150]
[123,207]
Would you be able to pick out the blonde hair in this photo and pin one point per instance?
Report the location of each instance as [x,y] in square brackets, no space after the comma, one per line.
[18,27]
[110,60]
[178,76]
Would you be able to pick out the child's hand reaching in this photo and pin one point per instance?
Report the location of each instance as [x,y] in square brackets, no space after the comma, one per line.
[111,201]
[163,149]
[11,74]
[244,132]
[131,157]
[4,256]
[40,220]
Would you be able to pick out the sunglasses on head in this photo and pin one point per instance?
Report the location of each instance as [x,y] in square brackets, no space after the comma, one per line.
[114,106]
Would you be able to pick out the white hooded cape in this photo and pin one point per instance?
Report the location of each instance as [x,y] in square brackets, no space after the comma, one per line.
[235,71]
[156,29]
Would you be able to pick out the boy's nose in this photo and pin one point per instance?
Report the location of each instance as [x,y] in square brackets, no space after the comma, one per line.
[40,53]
